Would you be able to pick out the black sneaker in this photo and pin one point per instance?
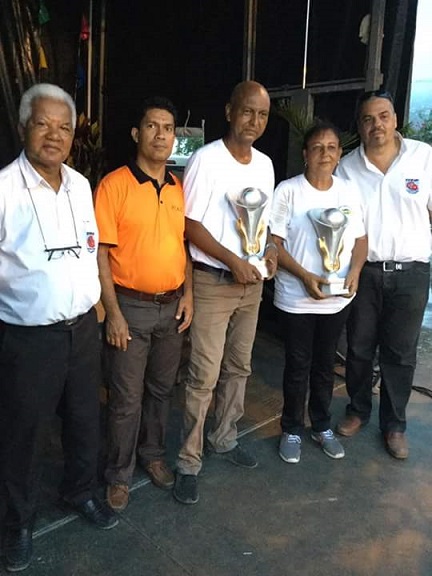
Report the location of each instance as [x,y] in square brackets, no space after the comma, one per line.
[18,548]
[186,489]
[240,457]
[95,512]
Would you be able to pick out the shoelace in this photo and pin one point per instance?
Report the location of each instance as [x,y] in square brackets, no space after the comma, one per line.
[292,439]
[327,435]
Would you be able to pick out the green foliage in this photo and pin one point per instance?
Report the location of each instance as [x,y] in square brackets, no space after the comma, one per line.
[186,145]
[300,122]
[421,130]
[87,154]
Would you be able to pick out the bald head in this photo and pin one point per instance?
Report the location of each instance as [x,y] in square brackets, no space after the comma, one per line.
[247,113]
[244,89]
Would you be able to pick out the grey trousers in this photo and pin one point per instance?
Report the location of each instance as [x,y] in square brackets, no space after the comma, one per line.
[140,387]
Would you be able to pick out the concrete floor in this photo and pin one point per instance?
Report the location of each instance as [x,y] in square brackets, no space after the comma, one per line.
[365,515]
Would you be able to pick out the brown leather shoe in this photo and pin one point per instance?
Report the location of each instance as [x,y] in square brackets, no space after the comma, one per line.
[160,474]
[349,426]
[396,445]
[118,496]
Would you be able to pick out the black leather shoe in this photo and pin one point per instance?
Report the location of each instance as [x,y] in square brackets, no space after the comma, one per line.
[18,548]
[96,512]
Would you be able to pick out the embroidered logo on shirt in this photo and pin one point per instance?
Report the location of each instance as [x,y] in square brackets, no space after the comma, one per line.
[91,243]
[345,210]
[412,185]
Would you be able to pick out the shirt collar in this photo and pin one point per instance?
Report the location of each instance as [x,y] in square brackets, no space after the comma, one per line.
[402,148]
[142,177]
[33,179]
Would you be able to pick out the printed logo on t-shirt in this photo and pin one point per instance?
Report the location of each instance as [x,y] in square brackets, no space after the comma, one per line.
[412,185]
[91,242]
[345,210]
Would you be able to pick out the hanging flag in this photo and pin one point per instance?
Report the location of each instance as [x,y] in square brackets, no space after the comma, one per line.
[85,30]
[43,64]
[44,16]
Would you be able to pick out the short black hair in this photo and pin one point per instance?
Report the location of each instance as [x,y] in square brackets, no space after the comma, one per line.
[372,94]
[320,126]
[152,102]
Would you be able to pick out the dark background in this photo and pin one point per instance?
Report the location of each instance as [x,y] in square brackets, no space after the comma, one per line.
[192,51]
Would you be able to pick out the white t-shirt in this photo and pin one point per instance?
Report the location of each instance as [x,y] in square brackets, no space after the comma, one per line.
[33,218]
[211,174]
[293,198]
[395,204]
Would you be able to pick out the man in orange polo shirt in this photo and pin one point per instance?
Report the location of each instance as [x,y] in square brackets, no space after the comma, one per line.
[147,295]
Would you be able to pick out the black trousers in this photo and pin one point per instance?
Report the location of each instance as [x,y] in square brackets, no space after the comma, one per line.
[310,349]
[44,370]
[387,312]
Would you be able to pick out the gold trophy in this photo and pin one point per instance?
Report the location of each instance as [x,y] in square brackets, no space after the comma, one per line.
[330,225]
[248,207]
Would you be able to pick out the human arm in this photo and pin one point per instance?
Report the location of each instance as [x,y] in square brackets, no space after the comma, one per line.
[358,258]
[242,270]
[271,255]
[311,281]
[117,331]
[185,305]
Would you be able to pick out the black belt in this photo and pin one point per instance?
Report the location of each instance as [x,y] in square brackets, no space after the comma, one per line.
[392,266]
[221,272]
[157,298]
[69,321]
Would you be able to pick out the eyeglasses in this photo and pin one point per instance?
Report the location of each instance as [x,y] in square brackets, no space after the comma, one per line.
[56,253]
[373,94]
[376,94]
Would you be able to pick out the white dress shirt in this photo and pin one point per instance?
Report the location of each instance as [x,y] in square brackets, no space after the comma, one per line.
[395,204]
[40,285]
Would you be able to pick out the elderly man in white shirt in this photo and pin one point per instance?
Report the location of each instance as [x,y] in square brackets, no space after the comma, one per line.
[394,176]
[49,344]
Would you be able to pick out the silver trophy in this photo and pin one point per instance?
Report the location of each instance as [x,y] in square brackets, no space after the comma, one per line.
[330,225]
[248,207]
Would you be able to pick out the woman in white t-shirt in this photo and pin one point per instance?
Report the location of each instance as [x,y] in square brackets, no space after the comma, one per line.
[311,321]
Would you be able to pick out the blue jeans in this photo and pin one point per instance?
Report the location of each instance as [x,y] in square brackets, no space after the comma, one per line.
[387,312]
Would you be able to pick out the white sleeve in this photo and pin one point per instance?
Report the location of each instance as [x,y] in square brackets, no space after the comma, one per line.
[281,210]
[196,187]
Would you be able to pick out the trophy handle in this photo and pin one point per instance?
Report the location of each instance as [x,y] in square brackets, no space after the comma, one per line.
[328,264]
[250,245]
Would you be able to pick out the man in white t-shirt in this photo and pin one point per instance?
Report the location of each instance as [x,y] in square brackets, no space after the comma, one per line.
[394,176]
[227,288]
[49,338]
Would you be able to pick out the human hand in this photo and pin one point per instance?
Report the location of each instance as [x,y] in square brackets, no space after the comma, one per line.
[185,310]
[312,284]
[271,259]
[351,282]
[244,272]
[117,331]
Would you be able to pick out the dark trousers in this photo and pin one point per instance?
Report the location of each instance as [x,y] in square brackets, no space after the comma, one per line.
[141,383]
[310,348]
[44,369]
[387,312]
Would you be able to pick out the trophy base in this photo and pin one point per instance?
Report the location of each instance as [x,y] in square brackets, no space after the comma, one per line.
[335,288]
[260,265]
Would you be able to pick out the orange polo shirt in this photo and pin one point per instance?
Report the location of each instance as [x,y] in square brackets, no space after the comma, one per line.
[144,226]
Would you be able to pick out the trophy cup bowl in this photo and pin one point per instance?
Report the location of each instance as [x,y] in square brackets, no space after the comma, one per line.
[330,225]
[248,207]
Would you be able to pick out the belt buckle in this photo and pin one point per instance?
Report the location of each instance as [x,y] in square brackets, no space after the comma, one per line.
[389,267]
[157,297]
[71,321]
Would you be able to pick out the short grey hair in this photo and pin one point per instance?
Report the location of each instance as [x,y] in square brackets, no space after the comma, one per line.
[44,91]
